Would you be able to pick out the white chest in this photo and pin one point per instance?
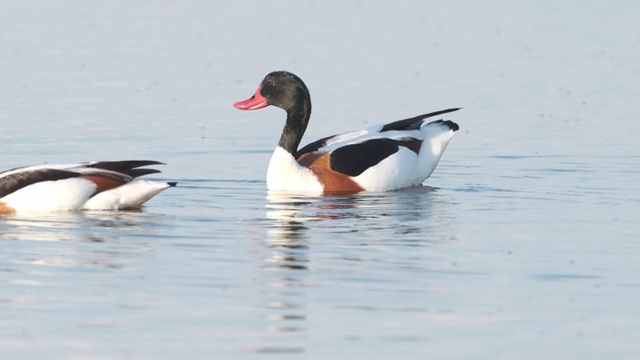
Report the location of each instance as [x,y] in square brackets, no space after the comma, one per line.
[285,174]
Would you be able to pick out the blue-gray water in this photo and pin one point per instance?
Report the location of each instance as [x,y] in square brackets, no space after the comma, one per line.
[523,244]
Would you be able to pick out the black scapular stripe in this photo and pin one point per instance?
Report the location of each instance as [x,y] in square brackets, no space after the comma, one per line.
[354,159]
[14,182]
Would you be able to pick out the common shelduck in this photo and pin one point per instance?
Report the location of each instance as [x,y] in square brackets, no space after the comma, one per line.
[105,185]
[383,157]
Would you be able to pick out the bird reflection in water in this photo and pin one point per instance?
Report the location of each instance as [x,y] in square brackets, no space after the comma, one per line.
[287,263]
[413,217]
[283,279]
[70,229]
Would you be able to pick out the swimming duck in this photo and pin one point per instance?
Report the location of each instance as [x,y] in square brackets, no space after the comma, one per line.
[105,185]
[383,157]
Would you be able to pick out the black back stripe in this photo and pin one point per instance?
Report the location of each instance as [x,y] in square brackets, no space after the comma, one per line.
[14,182]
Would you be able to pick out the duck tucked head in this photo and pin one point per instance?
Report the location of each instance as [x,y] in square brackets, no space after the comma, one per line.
[286,91]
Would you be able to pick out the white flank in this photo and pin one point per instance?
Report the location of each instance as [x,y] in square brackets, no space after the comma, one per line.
[46,196]
[396,171]
[130,195]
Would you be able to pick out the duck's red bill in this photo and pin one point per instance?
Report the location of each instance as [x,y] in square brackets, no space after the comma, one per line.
[255,102]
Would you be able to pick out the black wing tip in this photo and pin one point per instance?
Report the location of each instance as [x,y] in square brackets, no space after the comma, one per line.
[453,109]
[172,183]
[140,163]
[133,168]
[123,164]
[416,122]
[440,112]
[448,123]
[453,126]
[139,172]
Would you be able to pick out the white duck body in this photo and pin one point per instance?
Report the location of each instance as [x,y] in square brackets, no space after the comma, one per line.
[401,169]
[66,187]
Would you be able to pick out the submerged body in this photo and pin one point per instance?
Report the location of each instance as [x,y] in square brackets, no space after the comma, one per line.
[383,157]
[108,185]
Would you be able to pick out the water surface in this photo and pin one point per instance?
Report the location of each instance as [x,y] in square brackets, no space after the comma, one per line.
[521,245]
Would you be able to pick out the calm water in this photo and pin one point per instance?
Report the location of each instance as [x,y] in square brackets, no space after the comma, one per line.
[523,244]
